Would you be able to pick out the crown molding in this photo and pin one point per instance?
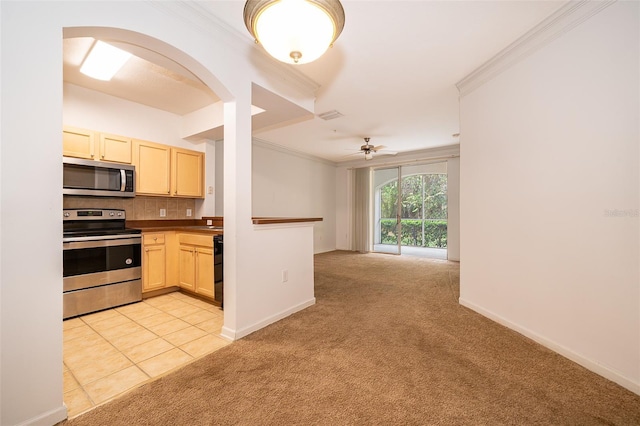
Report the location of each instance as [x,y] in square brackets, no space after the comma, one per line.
[427,155]
[570,15]
[204,20]
[279,148]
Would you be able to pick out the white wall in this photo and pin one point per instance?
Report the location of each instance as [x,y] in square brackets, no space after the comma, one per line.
[550,195]
[30,223]
[278,250]
[96,111]
[219,177]
[287,184]
[208,206]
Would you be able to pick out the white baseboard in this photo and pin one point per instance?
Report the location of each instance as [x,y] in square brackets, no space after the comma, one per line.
[587,363]
[231,334]
[47,419]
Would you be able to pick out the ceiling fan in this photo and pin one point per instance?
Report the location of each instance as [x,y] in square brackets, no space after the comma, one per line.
[369,150]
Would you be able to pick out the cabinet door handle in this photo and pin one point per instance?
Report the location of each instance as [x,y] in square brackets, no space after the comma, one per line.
[147,250]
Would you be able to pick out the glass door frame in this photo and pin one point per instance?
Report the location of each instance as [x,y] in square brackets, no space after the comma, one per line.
[377,208]
[376,203]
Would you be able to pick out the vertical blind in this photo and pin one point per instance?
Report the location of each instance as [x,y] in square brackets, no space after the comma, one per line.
[361,210]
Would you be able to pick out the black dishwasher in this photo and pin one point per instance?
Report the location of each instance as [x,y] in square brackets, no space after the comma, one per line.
[218,290]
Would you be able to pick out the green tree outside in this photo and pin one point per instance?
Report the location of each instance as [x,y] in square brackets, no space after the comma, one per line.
[423,211]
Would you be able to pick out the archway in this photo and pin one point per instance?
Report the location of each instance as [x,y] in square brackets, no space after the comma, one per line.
[151,48]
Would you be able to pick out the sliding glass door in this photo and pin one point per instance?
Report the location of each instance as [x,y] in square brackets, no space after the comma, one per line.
[410,210]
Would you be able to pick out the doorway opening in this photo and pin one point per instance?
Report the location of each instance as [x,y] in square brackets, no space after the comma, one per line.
[112,351]
[410,210]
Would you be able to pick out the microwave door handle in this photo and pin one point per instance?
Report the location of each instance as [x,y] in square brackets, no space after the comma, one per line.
[123,180]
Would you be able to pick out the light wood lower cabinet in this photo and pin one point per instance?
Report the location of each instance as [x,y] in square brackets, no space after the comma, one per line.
[204,272]
[173,259]
[159,265]
[154,264]
[196,263]
[187,256]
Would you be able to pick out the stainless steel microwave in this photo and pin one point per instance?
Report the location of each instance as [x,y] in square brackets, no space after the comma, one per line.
[97,178]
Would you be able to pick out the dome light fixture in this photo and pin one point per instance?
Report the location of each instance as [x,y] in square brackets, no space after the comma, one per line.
[294,31]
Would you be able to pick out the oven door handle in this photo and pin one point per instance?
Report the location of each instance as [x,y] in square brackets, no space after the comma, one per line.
[95,242]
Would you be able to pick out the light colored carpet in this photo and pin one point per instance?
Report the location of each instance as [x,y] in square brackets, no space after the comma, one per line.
[386,344]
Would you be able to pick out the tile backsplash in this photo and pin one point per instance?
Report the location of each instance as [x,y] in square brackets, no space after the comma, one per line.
[137,208]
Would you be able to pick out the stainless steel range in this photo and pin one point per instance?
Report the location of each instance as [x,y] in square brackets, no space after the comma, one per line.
[101,261]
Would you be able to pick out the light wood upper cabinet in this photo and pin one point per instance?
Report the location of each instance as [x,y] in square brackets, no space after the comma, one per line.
[160,169]
[153,168]
[78,143]
[187,173]
[115,148]
[92,145]
[168,171]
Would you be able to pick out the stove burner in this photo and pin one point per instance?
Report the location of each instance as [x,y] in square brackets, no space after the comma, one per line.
[81,223]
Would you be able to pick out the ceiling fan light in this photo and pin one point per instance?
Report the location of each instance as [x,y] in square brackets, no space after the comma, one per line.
[294,31]
[368,156]
[104,61]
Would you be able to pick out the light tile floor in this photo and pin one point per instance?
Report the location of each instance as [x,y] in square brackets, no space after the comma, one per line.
[114,351]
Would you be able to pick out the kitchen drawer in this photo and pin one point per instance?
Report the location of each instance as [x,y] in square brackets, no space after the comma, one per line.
[196,239]
[150,239]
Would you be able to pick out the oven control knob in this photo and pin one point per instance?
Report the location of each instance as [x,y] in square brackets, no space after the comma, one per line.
[119,213]
[129,261]
[111,214]
[67,214]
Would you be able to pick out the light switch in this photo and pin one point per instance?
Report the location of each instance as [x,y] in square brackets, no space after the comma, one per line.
[163,212]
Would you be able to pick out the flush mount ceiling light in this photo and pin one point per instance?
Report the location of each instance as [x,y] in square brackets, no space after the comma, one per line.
[104,61]
[294,31]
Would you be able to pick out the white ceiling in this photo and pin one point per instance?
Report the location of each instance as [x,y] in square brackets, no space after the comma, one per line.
[391,73]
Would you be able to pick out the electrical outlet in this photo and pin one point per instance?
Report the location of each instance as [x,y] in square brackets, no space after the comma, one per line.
[163,212]
[285,275]
[209,222]
[210,190]
[188,212]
